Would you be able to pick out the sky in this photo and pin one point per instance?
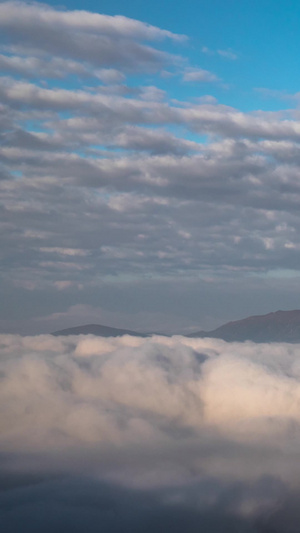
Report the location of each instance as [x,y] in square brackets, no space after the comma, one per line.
[149,163]
[149,176]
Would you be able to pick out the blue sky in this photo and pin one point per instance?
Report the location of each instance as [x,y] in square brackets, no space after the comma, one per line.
[149,163]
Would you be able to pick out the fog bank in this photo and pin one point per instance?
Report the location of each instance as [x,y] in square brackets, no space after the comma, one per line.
[194,431]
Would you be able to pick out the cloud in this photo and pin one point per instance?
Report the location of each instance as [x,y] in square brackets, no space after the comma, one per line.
[31,66]
[198,74]
[110,75]
[212,119]
[21,15]
[228,54]
[197,426]
[100,40]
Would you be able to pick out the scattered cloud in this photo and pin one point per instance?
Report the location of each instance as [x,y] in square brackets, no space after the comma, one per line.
[227,54]
[198,75]
[96,151]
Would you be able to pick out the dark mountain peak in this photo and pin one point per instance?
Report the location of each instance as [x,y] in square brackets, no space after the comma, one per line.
[98,330]
[277,326]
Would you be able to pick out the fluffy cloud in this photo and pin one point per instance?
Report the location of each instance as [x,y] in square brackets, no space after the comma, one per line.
[202,426]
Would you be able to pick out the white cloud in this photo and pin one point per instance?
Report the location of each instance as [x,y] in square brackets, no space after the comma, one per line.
[198,75]
[191,420]
[92,395]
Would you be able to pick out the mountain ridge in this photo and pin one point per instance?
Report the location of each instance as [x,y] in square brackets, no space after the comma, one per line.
[277,326]
[98,330]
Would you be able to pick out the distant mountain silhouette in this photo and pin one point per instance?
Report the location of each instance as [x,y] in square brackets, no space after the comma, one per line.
[100,331]
[281,326]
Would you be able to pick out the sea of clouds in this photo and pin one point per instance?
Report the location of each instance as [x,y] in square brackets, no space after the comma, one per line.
[133,434]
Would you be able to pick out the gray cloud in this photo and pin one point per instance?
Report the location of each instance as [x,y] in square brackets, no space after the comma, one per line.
[22,16]
[213,119]
[33,66]
[98,39]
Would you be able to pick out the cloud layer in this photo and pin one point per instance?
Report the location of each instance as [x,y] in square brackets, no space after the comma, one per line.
[197,427]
